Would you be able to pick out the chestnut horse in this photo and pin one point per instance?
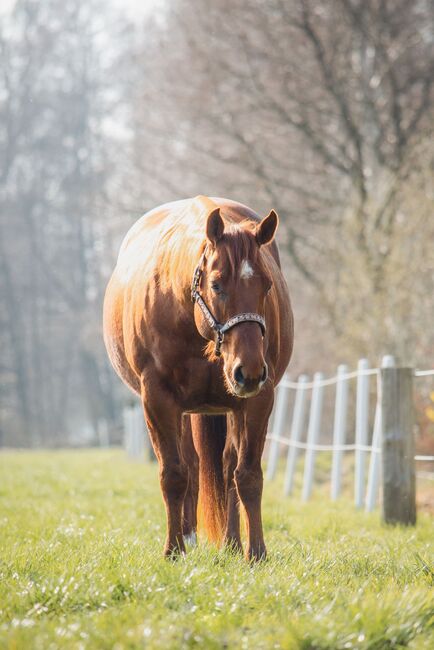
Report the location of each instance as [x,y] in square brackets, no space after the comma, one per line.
[197,321]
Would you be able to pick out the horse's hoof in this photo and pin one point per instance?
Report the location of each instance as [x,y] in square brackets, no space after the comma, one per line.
[233,545]
[190,539]
[174,551]
[257,554]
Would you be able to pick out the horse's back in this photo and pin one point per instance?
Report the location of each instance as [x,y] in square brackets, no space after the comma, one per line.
[152,227]
[164,225]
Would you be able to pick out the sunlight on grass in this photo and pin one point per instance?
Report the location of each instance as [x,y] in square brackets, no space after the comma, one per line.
[81,566]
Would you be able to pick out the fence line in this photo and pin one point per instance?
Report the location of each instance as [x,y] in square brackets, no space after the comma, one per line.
[339,430]
[366,491]
[312,434]
[373,486]
[349,375]
[362,426]
[287,442]
[279,420]
[330,381]
[296,430]
[316,447]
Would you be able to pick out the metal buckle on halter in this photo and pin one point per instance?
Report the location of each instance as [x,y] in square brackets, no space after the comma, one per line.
[219,340]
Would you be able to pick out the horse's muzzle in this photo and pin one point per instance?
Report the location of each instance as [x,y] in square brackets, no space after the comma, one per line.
[243,385]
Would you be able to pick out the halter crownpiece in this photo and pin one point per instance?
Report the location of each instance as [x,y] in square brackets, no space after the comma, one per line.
[219,328]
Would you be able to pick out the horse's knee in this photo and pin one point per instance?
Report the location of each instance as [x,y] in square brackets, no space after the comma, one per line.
[174,481]
[249,481]
[229,457]
[229,464]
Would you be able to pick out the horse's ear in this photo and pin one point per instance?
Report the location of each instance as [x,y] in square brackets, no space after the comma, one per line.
[266,230]
[214,226]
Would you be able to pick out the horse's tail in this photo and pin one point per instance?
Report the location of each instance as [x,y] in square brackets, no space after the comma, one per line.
[209,435]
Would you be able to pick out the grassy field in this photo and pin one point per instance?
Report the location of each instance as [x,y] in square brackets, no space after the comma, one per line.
[81,535]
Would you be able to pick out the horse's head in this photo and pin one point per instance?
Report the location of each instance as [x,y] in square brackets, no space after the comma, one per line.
[235,282]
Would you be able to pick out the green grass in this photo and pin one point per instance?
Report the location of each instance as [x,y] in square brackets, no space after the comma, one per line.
[81,566]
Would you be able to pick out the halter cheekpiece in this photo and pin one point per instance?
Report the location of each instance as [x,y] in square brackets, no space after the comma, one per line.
[219,328]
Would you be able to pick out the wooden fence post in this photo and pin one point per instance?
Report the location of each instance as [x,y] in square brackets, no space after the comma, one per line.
[296,429]
[312,434]
[279,422]
[339,430]
[362,421]
[399,491]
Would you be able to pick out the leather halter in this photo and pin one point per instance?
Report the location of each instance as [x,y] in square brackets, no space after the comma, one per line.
[220,328]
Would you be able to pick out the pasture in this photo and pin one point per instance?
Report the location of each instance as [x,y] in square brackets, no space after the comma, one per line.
[81,534]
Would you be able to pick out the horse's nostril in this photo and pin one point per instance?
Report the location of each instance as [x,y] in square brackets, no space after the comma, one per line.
[238,375]
[264,373]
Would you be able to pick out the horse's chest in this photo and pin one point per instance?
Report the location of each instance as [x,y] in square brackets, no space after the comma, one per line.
[197,384]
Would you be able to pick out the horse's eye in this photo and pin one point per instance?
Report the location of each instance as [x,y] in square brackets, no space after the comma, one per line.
[216,287]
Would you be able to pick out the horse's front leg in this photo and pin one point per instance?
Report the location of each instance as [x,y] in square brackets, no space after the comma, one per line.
[232,537]
[163,417]
[248,473]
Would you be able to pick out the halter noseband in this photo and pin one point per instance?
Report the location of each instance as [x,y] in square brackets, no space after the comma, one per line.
[219,328]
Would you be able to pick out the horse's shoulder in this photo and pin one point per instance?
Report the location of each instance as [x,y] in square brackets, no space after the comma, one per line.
[153,220]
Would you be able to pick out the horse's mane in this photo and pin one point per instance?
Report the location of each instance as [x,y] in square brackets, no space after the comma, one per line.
[179,250]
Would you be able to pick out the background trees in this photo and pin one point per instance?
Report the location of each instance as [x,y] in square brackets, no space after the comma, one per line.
[322,110]
[53,175]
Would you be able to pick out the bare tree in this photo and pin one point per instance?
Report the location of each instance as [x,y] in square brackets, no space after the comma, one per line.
[317,108]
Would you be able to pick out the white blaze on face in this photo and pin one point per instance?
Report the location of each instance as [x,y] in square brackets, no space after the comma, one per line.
[246,270]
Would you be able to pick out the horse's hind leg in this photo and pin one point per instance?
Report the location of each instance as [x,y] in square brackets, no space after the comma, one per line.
[163,418]
[190,501]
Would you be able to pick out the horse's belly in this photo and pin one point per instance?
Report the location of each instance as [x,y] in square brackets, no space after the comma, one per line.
[114,335]
[209,409]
